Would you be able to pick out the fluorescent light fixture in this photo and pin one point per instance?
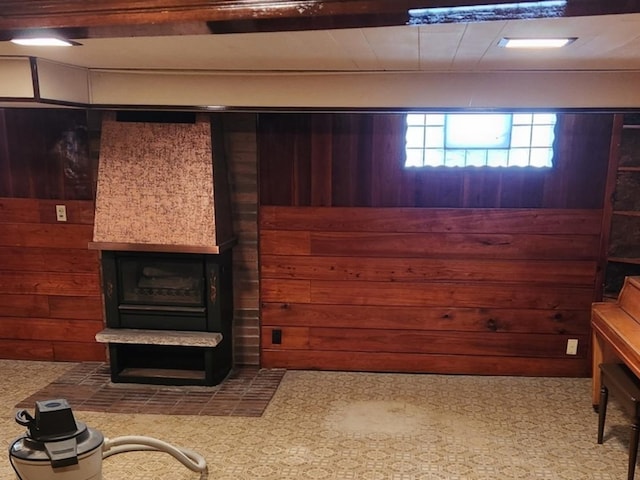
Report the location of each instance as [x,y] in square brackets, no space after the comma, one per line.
[44,42]
[535,42]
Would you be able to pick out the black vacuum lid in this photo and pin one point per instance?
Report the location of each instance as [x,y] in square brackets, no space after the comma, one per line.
[53,435]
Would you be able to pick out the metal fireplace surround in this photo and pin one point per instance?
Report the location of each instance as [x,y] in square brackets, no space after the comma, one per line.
[168,292]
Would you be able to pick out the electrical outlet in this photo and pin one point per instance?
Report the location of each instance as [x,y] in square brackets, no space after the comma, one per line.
[572,346]
[61,213]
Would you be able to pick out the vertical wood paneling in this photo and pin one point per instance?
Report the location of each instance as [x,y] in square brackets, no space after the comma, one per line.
[5,178]
[321,161]
[46,154]
[365,153]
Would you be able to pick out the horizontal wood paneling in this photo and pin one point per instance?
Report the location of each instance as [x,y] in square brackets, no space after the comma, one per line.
[70,260]
[426,342]
[45,235]
[24,305]
[46,283]
[571,322]
[447,245]
[433,220]
[78,352]
[380,269]
[436,294]
[26,350]
[50,295]
[414,362]
[447,288]
[87,307]
[49,329]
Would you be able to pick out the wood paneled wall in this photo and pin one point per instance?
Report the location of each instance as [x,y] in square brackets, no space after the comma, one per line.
[50,302]
[357,160]
[45,154]
[50,298]
[363,269]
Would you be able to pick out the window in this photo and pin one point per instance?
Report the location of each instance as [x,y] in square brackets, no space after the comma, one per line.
[480,140]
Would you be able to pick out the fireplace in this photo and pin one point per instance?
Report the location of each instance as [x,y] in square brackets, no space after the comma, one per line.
[168,296]
[163,226]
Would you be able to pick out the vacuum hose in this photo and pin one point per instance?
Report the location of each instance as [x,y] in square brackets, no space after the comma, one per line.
[131,443]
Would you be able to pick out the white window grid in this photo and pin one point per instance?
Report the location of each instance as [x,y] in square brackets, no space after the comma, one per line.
[531,137]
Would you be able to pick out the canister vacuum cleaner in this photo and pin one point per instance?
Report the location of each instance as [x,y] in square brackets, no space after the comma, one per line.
[57,447]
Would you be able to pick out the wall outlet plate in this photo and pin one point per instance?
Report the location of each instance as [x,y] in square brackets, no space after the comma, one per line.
[61,213]
[572,346]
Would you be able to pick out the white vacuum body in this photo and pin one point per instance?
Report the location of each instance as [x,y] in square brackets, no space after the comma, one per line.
[56,447]
[89,467]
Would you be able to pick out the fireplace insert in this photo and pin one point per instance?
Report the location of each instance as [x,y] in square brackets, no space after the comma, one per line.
[175,292]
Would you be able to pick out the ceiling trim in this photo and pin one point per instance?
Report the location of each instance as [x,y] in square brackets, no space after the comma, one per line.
[381,90]
[42,82]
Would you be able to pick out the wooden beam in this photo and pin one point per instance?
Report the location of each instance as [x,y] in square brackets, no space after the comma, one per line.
[117,18]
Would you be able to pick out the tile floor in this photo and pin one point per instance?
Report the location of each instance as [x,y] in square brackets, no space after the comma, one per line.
[245,392]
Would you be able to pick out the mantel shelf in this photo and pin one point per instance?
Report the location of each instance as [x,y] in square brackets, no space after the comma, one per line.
[147,247]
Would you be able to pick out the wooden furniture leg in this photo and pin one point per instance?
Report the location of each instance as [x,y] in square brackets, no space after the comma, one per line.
[602,412]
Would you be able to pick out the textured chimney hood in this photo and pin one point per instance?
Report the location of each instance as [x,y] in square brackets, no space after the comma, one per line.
[162,184]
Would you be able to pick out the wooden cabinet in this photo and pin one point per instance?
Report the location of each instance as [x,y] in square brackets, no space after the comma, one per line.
[623,210]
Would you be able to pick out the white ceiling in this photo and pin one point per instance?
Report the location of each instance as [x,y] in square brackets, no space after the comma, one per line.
[604,43]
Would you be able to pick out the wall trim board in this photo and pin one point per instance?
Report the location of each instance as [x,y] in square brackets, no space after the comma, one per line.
[39,82]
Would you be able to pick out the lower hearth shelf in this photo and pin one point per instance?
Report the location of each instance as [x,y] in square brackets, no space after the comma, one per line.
[167,357]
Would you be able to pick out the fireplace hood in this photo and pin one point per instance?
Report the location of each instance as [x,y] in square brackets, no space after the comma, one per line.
[162,184]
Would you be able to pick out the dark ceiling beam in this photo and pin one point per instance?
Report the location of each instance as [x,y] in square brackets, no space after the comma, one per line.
[110,18]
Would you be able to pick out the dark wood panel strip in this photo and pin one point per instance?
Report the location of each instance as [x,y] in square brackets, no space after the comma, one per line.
[416,341]
[453,245]
[82,308]
[437,294]
[25,259]
[291,243]
[425,363]
[48,283]
[26,350]
[46,235]
[450,343]
[427,269]
[430,220]
[19,210]
[23,305]
[79,352]
[292,290]
[49,329]
[573,322]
